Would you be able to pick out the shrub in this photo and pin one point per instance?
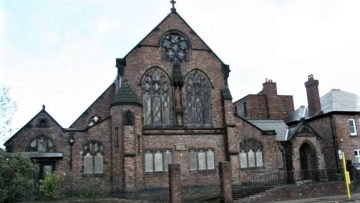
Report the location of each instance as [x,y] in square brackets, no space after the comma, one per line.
[17,178]
[50,186]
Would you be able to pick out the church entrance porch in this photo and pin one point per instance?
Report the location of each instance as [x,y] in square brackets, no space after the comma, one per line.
[308,162]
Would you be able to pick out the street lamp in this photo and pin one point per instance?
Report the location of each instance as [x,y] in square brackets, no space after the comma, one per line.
[71,142]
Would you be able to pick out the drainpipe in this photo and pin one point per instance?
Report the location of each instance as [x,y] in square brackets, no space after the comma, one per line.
[335,144]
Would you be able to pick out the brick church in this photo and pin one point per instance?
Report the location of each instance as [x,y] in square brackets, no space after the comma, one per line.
[170,103]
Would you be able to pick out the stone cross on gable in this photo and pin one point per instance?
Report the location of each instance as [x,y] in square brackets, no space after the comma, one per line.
[173,9]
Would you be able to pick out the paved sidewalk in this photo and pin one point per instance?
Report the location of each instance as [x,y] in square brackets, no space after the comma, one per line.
[325,199]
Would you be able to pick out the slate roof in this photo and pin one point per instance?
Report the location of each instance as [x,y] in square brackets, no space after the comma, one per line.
[338,100]
[334,101]
[278,125]
[125,95]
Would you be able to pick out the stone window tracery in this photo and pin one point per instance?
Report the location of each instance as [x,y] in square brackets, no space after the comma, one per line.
[93,156]
[251,154]
[175,47]
[156,97]
[41,144]
[198,99]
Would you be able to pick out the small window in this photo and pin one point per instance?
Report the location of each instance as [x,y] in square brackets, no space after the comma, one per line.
[352,127]
[284,107]
[357,158]
[280,159]
[245,109]
[202,159]
[157,160]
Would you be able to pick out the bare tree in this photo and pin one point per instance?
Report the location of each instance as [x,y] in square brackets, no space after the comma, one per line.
[7,110]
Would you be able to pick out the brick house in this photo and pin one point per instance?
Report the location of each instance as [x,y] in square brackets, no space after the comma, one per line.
[299,145]
[335,119]
[169,103]
[267,104]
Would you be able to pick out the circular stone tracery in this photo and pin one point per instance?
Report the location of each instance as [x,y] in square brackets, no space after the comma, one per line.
[175,47]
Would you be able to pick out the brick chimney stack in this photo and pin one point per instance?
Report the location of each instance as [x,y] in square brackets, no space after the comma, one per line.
[269,88]
[312,91]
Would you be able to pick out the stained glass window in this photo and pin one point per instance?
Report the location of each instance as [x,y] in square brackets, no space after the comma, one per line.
[156,97]
[175,47]
[198,99]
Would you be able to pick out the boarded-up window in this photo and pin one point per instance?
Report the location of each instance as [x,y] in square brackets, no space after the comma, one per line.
[202,159]
[259,158]
[251,155]
[167,159]
[192,160]
[280,159]
[41,143]
[98,163]
[88,164]
[251,158]
[93,159]
[157,160]
[243,160]
[210,159]
[148,162]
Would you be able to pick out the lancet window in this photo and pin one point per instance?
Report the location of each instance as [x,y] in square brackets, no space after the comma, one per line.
[93,155]
[251,154]
[156,97]
[198,99]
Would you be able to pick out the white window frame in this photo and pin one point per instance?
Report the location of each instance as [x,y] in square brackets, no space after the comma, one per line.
[353,127]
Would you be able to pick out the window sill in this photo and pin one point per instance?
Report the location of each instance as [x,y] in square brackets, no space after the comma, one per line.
[203,171]
[252,168]
[93,175]
[156,173]
[353,135]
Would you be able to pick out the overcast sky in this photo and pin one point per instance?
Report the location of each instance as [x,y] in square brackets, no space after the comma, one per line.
[61,53]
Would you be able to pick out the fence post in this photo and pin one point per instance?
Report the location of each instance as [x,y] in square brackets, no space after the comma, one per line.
[174,183]
[225,182]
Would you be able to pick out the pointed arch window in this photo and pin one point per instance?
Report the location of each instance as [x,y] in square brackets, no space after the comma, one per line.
[280,158]
[251,154]
[41,144]
[156,97]
[93,157]
[198,99]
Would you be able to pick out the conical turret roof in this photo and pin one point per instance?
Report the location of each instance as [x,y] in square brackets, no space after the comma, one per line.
[125,96]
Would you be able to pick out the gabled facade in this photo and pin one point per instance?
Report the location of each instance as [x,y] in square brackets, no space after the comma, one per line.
[169,103]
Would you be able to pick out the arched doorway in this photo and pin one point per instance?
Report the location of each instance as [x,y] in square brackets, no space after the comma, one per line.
[308,162]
